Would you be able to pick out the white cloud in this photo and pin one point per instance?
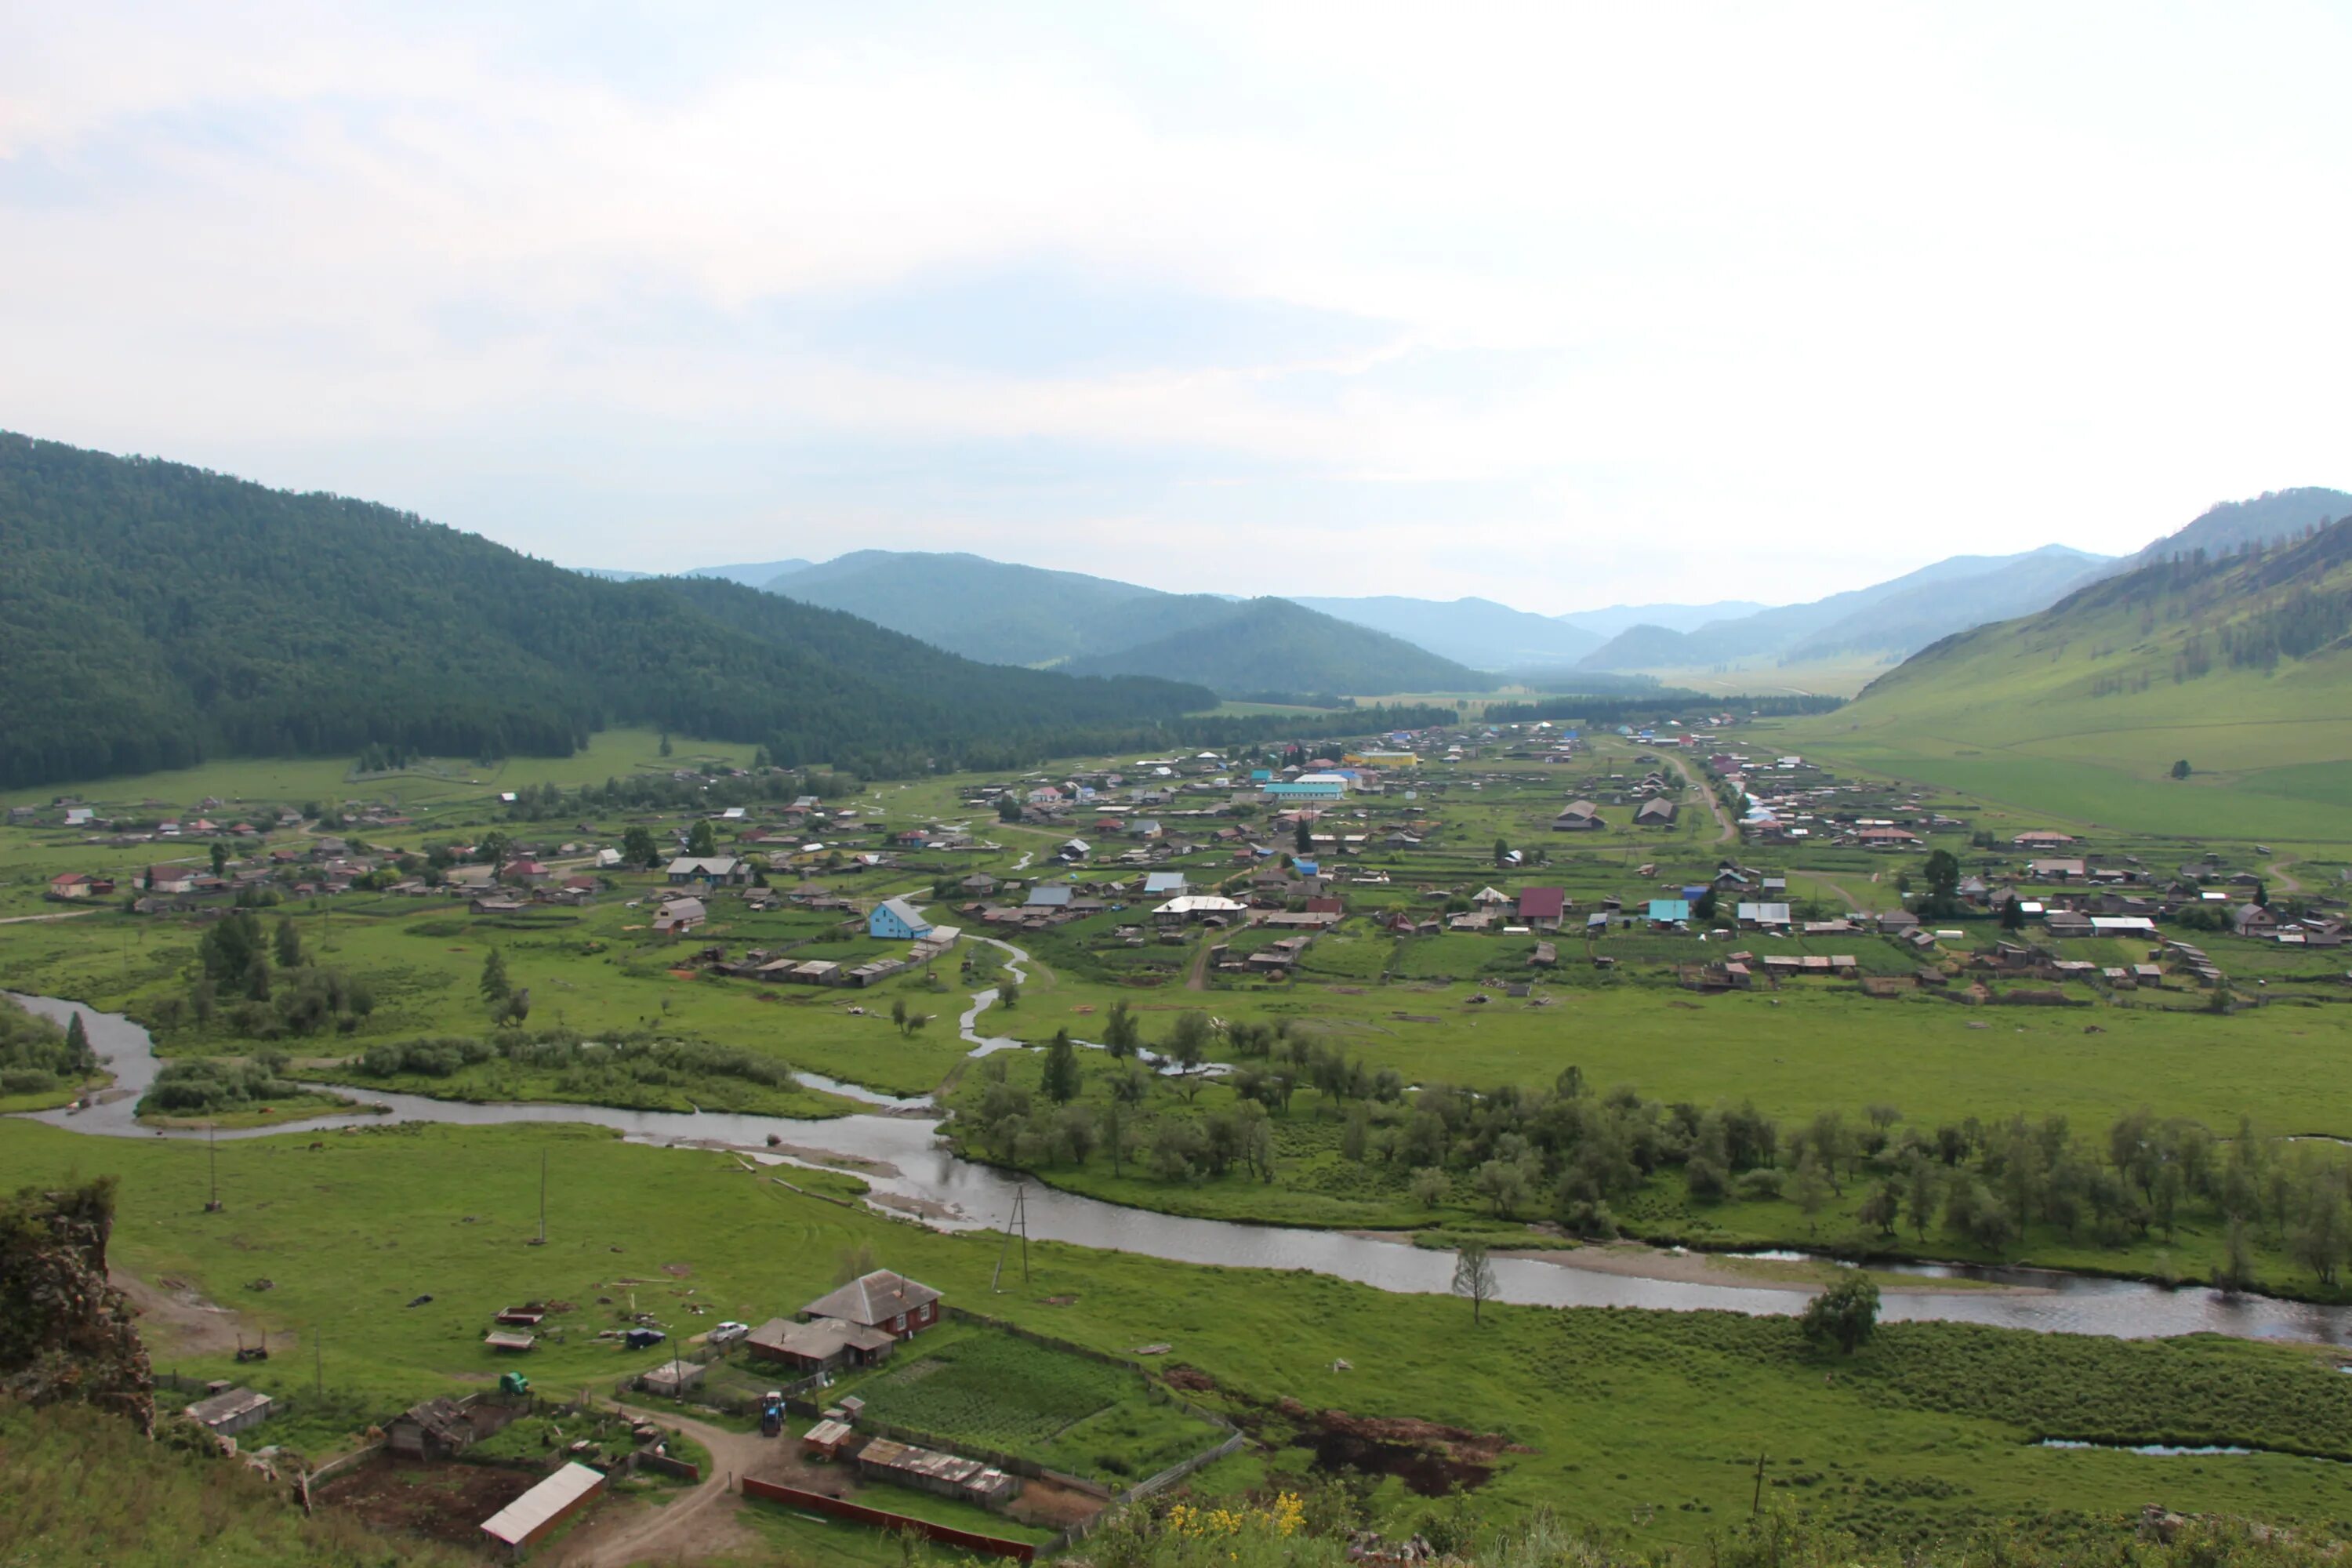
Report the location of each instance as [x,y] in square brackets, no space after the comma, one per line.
[1771,282]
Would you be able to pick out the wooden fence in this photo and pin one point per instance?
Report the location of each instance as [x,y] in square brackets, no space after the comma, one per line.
[945,1534]
[666,1466]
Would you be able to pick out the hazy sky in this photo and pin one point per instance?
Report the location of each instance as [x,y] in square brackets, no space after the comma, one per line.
[1561,304]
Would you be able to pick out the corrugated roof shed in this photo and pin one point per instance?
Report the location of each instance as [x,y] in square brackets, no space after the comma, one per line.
[542,1505]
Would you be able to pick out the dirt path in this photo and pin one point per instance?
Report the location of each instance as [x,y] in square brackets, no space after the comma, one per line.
[175,1320]
[1196,977]
[37,919]
[699,1524]
[2278,870]
[1715,807]
[1851,901]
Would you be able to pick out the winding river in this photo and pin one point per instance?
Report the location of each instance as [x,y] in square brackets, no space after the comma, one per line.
[900,1153]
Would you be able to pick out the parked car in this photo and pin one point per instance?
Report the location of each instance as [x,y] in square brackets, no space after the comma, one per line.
[727,1333]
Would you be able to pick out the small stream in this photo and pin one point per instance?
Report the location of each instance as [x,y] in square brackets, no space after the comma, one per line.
[911,1170]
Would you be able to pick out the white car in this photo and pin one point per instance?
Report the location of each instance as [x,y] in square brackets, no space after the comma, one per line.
[727,1333]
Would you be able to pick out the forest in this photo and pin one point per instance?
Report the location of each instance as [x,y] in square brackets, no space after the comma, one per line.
[155,615]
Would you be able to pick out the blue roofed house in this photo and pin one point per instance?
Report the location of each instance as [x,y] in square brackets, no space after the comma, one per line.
[1306,789]
[1163,884]
[1049,896]
[1669,912]
[895,920]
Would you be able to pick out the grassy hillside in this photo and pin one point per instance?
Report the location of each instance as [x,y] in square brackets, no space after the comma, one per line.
[86,1487]
[2238,666]
[154,615]
[1275,645]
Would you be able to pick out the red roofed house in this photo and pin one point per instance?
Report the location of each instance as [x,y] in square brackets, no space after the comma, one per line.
[1543,907]
[70,885]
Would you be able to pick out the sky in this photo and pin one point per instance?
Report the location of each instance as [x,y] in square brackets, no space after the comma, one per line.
[1561,305]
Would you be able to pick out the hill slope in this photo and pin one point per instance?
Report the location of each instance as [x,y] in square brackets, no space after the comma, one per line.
[1008,613]
[993,610]
[2241,667]
[1270,645]
[1900,616]
[153,614]
[1479,633]
[2268,518]
[1615,618]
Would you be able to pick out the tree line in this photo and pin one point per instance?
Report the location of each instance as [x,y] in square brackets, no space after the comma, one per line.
[1574,1155]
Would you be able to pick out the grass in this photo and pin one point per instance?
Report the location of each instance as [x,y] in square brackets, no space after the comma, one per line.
[1624,1413]
[88,1488]
[999,1391]
[277,1113]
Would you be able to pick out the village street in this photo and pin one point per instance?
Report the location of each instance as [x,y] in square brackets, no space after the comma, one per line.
[696,1524]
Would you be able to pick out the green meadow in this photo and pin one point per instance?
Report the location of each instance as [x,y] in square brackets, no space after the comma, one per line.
[1647,1424]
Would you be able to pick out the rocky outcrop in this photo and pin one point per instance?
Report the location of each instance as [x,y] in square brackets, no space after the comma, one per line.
[65,1333]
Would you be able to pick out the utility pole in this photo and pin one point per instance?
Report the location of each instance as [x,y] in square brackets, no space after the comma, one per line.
[542,1240]
[1757,1502]
[1018,1218]
[318,1362]
[212,1159]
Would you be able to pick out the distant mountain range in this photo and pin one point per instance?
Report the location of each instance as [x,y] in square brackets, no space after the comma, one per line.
[1006,614]
[1888,619]
[1479,633]
[1002,613]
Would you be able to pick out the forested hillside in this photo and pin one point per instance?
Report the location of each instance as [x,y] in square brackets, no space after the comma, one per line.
[153,614]
[1274,647]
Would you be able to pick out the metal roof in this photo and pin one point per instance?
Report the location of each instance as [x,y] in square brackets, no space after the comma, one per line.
[876,1298]
[516,1522]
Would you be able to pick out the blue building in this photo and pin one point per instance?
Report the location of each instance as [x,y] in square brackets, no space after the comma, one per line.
[895,920]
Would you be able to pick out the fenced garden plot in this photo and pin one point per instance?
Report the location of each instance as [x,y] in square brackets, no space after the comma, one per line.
[982,1388]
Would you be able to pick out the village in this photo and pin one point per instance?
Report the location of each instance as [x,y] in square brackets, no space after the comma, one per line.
[878,1404]
[1405,895]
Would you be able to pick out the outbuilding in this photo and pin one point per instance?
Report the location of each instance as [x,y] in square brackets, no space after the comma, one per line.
[226,1414]
[538,1512]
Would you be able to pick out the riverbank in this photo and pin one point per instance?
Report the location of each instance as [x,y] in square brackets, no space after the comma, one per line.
[927,1181]
[1604,1416]
[291,1112]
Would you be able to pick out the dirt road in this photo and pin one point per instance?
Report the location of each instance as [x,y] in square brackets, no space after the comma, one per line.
[699,1524]
[1714,805]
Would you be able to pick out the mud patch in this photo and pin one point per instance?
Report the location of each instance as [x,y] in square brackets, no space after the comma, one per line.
[1429,1459]
[442,1502]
